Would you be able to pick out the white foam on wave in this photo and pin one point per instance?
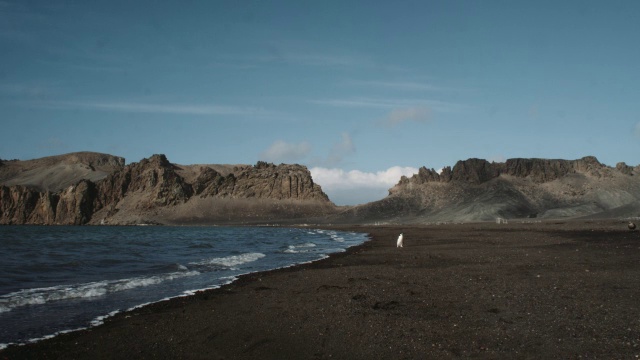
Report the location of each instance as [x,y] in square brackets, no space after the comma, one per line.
[35,340]
[335,237]
[40,296]
[332,234]
[302,248]
[100,319]
[232,260]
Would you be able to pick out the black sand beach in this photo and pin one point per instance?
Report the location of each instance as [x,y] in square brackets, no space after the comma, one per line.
[514,291]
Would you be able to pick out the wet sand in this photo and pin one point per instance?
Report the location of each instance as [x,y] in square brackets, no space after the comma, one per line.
[539,290]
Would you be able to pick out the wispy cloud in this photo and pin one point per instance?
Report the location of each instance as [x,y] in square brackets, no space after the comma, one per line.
[340,149]
[136,107]
[636,130]
[30,90]
[416,114]
[281,151]
[353,102]
[389,103]
[294,53]
[85,65]
[320,59]
[311,53]
[289,58]
[397,85]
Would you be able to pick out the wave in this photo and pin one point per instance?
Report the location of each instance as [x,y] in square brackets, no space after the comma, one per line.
[38,296]
[332,234]
[230,261]
[335,237]
[302,248]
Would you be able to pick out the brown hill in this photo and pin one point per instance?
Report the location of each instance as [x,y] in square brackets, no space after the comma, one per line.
[54,173]
[478,190]
[156,191]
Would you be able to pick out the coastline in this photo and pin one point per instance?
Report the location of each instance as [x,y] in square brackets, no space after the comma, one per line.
[541,290]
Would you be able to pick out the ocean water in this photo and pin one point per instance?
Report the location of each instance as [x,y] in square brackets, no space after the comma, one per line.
[60,278]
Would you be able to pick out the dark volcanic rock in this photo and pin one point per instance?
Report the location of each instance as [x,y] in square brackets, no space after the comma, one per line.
[139,190]
[478,190]
[475,171]
[277,182]
[212,183]
[76,204]
[262,181]
[543,170]
[156,177]
[22,205]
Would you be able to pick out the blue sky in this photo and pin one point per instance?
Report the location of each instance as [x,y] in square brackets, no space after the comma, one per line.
[361,92]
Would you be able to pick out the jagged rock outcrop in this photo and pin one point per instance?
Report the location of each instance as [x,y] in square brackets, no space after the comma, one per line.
[625,169]
[262,181]
[152,189]
[154,178]
[22,205]
[477,171]
[76,204]
[478,190]
[212,183]
[543,170]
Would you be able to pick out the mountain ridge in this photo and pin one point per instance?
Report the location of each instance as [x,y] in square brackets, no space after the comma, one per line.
[94,188]
[478,190]
[155,191]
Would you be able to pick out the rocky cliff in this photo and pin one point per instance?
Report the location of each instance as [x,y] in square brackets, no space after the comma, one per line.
[90,188]
[478,190]
[157,191]
[264,180]
[477,171]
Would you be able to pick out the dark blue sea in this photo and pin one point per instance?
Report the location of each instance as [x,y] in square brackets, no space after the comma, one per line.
[57,278]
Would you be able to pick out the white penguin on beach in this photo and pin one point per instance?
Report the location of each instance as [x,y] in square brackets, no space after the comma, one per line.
[400,240]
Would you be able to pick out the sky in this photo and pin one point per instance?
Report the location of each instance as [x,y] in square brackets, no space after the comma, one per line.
[360,92]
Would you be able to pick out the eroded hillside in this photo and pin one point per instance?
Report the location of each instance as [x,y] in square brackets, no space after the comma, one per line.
[157,191]
[478,190]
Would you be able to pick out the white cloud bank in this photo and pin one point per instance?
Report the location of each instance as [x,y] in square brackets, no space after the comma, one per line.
[357,187]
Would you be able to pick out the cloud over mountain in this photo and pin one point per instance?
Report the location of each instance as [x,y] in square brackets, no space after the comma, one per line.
[357,186]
